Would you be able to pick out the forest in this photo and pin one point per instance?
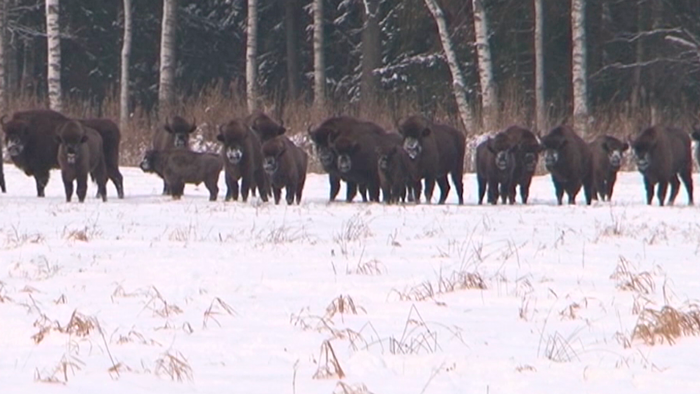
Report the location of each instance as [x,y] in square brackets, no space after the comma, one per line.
[607,66]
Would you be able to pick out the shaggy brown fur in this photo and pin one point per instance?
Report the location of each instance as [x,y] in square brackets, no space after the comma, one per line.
[568,159]
[111,138]
[180,166]
[242,156]
[526,149]
[80,153]
[30,140]
[264,126]
[662,155]
[439,150]
[397,173]
[607,157]
[175,134]
[285,164]
[495,165]
[321,137]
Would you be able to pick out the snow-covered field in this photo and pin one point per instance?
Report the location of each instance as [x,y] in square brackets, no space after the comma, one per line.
[150,295]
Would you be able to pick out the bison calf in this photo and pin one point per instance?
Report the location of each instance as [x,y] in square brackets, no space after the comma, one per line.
[607,156]
[285,164]
[397,174]
[80,153]
[495,165]
[175,134]
[242,155]
[178,167]
[662,154]
[568,159]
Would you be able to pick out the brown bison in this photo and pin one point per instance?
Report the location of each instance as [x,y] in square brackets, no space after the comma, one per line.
[175,134]
[439,150]
[397,174]
[607,157]
[30,139]
[242,155]
[321,137]
[662,155]
[80,153]
[526,149]
[568,159]
[181,166]
[111,139]
[495,167]
[264,126]
[285,164]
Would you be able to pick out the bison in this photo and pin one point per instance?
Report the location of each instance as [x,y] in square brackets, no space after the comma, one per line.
[526,153]
[495,167]
[285,164]
[111,139]
[264,126]
[321,137]
[439,150]
[568,159]
[178,167]
[175,134]
[662,155]
[80,153]
[242,155]
[607,157]
[30,139]
[397,173]
[2,172]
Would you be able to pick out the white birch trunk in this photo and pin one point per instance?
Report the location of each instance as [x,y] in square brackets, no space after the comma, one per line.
[3,42]
[124,79]
[166,94]
[578,65]
[489,103]
[319,61]
[457,79]
[251,66]
[539,68]
[54,55]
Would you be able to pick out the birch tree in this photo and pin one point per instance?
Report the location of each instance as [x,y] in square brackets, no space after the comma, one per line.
[291,25]
[371,52]
[251,66]
[3,86]
[539,67]
[124,79]
[166,91]
[578,65]
[54,54]
[458,84]
[319,61]
[489,103]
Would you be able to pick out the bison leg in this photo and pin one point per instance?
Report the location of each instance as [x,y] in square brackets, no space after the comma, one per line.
[492,196]
[117,179]
[213,187]
[457,179]
[277,192]
[417,190]
[245,188]
[290,192]
[429,188]
[166,189]
[481,185]
[334,182]
[687,178]
[558,191]
[661,192]
[41,181]
[675,187]
[373,191]
[263,185]
[68,187]
[81,188]
[524,190]
[444,188]
[231,189]
[2,178]
[363,192]
[589,192]
[177,189]
[504,192]
[649,186]
[610,185]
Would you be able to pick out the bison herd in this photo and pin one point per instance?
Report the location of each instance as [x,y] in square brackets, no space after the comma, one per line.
[258,158]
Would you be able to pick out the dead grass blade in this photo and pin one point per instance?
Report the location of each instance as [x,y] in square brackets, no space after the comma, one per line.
[174,365]
[343,304]
[217,307]
[642,282]
[344,388]
[666,325]
[328,364]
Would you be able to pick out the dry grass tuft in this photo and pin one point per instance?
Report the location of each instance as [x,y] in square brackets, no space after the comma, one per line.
[457,280]
[136,337]
[80,325]
[344,388]
[160,307]
[3,293]
[328,364]
[59,374]
[420,292]
[370,267]
[666,325]
[15,238]
[84,234]
[525,368]
[353,230]
[416,337]
[174,365]
[217,307]
[558,349]
[343,304]
[642,282]
[569,313]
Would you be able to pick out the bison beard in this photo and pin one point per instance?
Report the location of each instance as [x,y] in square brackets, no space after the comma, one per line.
[242,156]
[80,153]
[179,167]
[438,151]
[568,159]
[607,153]
[662,155]
[285,164]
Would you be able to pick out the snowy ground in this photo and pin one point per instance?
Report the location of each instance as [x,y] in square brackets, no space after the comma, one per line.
[148,295]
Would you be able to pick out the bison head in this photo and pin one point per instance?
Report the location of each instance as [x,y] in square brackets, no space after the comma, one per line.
[180,129]
[553,144]
[345,149]
[320,137]
[16,135]
[414,129]
[265,127]
[503,148]
[148,162]
[234,136]
[272,151]
[643,146]
[71,136]
[386,157]
[615,150]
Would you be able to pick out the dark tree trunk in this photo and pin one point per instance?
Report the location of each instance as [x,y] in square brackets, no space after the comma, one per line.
[292,22]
